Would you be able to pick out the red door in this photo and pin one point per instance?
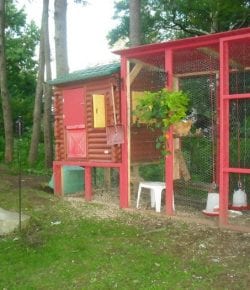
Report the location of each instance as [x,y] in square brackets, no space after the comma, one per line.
[74,123]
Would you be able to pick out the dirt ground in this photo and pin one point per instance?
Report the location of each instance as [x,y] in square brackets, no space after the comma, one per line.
[110,198]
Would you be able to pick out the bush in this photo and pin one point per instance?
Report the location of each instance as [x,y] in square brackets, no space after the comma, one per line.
[21,150]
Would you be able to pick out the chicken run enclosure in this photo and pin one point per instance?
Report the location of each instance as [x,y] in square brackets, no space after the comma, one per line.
[213,156]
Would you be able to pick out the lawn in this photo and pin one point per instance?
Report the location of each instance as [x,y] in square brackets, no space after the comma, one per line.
[71,244]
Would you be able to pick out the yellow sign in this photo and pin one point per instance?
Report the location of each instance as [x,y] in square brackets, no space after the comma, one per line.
[99,111]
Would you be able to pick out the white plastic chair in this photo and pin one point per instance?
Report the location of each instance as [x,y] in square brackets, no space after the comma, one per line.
[156,189]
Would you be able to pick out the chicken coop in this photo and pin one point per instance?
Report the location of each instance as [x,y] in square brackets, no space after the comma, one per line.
[95,126]
[88,126]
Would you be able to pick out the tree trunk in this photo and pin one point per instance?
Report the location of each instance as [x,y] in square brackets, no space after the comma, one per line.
[37,113]
[134,22]
[60,18]
[6,106]
[48,137]
[214,22]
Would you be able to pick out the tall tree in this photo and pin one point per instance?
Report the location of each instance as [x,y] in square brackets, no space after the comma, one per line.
[47,125]
[6,106]
[37,113]
[135,22]
[60,21]
[61,51]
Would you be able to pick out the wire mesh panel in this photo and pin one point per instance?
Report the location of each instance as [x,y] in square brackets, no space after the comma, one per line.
[239,133]
[198,72]
[239,157]
[239,199]
[239,63]
[239,129]
[239,145]
[146,74]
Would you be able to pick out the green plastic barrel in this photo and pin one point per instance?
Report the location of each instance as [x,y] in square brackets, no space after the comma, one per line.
[73,179]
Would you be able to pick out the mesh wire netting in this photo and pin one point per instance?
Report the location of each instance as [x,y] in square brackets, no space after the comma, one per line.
[196,72]
[198,77]
[239,127]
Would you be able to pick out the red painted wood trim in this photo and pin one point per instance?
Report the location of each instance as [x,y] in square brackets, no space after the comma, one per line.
[185,43]
[124,186]
[76,127]
[88,183]
[57,179]
[237,170]
[169,160]
[217,166]
[88,164]
[224,133]
[239,35]
[236,96]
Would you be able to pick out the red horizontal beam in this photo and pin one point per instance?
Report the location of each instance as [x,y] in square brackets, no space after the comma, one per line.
[185,43]
[237,170]
[237,36]
[236,96]
[88,164]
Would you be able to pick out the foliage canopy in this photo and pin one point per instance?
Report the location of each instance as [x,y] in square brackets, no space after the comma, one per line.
[21,41]
[168,19]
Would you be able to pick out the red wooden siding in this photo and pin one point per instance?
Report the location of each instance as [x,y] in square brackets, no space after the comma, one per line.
[76,138]
[143,145]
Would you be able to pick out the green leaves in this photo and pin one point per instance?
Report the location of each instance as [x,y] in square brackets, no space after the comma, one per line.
[20,45]
[161,109]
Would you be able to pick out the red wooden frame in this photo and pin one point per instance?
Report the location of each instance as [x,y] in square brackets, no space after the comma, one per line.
[224,132]
[57,170]
[225,98]
[167,48]
[169,160]
[124,170]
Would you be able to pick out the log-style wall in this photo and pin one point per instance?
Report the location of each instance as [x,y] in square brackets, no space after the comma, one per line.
[58,125]
[97,148]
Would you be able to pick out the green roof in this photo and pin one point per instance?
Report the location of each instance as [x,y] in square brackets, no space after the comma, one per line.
[88,73]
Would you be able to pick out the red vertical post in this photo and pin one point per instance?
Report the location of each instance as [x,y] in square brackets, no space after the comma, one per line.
[57,168]
[88,183]
[169,160]
[124,169]
[217,165]
[224,133]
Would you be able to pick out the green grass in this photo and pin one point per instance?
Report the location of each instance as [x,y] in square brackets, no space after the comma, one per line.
[88,254]
[126,251]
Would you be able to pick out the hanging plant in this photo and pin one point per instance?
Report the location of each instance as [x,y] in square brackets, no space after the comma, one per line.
[160,110]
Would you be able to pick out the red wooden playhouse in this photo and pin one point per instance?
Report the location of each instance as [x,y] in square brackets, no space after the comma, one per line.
[94,106]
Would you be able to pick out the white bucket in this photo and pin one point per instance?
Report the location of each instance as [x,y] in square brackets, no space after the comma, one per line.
[212,202]
[239,198]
